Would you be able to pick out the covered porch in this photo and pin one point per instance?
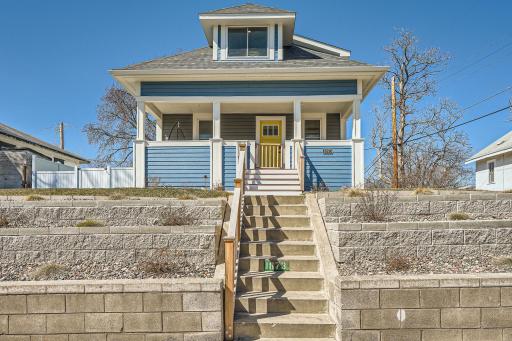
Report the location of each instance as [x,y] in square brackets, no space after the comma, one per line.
[197,139]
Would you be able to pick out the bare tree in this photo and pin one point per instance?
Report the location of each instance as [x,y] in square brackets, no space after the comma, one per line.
[431,153]
[116,127]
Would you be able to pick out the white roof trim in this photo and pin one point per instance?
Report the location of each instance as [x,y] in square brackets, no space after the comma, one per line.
[319,46]
[245,16]
[504,151]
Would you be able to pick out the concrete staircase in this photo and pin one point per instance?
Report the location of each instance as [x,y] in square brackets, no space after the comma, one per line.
[280,305]
[272,181]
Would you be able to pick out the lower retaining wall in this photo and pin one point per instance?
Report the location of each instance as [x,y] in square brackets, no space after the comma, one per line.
[119,310]
[424,308]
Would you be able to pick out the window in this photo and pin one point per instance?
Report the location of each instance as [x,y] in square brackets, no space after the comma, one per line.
[312,129]
[205,130]
[271,130]
[247,42]
[490,167]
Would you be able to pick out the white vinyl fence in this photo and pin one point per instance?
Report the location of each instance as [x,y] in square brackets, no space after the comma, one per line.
[74,177]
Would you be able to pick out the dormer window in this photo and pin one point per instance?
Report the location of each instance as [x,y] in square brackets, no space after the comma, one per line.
[247,42]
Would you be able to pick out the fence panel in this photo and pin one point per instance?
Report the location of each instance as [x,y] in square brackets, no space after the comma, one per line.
[121,177]
[94,178]
[55,179]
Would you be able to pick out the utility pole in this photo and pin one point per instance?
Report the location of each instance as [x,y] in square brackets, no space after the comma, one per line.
[394,183]
[61,134]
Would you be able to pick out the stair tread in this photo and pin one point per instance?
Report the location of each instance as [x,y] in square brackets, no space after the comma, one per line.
[291,257]
[281,242]
[295,295]
[282,274]
[273,318]
[285,339]
[273,193]
[284,228]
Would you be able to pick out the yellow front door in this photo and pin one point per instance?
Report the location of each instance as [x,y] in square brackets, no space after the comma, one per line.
[270,148]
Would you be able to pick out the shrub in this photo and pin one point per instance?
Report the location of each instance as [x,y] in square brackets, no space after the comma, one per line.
[423,190]
[376,204]
[3,221]
[398,264]
[458,216]
[34,197]
[177,217]
[165,263]
[503,261]
[48,271]
[90,223]
[353,192]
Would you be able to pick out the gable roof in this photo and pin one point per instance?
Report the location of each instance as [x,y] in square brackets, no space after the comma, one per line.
[21,136]
[500,146]
[248,8]
[201,59]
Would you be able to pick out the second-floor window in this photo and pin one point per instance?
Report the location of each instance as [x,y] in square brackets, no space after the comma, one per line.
[247,42]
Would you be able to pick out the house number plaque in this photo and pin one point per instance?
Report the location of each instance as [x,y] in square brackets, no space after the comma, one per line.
[328,152]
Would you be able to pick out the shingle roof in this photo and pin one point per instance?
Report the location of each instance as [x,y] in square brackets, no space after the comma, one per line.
[201,59]
[248,9]
[502,144]
[14,133]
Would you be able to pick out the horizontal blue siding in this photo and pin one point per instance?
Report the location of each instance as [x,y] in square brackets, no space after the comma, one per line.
[178,166]
[328,171]
[252,88]
[228,167]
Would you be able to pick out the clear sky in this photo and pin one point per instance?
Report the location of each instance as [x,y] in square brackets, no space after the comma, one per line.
[55,54]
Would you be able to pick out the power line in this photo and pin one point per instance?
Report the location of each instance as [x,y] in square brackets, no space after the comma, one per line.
[440,131]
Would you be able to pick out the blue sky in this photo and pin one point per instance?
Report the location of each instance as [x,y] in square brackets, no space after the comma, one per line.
[55,55]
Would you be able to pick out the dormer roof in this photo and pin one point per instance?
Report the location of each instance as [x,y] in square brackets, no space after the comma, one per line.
[249,15]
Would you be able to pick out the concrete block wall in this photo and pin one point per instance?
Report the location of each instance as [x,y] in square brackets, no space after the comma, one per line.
[117,310]
[129,244]
[68,211]
[424,308]
[380,241]
[337,208]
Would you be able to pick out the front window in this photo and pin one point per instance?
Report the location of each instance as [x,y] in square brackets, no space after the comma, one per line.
[270,130]
[247,42]
[490,166]
[312,129]
[205,130]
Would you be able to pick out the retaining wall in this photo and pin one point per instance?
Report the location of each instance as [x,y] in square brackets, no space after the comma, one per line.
[424,308]
[380,241]
[70,211]
[337,208]
[119,310]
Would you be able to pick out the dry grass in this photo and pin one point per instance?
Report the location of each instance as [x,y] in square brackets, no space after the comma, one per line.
[117,196]
[167,192]
[164,263]
[176,217]
[185,196]
[90,223]
[376,204]
[353,192]
[48,271]
[3,221]
[34,197]
[423,191]
[503,261]
[398,264]
[458,216]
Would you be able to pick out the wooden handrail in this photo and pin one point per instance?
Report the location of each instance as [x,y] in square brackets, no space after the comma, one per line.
[232,246]
[301,166]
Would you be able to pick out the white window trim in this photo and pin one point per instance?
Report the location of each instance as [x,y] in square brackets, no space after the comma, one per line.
[196,117]
[315,116]
[489,174]
[271,118]
[225,44]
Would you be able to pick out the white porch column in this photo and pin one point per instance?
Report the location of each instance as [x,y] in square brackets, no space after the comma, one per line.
[159,128]
[139,152]
[356,117]
[216,148]
[343,128]
[297,119]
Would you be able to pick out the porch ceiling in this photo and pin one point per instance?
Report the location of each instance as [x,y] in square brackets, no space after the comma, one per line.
[253,108]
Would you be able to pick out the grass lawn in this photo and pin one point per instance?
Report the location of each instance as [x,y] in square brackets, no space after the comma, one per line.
[120,193]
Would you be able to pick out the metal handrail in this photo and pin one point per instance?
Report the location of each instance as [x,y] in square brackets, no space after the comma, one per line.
[232,246]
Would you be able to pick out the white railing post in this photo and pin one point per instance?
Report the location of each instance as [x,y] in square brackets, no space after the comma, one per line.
[34,171]
[77,177]
[109,176]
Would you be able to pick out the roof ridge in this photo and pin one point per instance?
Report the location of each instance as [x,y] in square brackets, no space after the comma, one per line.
[247,4]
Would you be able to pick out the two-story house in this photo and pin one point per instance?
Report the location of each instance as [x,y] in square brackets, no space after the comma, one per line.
[257,83]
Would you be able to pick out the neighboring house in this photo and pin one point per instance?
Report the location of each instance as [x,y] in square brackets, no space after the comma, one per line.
[16,154]
[494,165]
[255,83]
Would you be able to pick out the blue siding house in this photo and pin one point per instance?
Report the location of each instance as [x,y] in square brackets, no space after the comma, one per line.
[256,83]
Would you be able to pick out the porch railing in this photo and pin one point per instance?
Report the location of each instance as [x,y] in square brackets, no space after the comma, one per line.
[301,167]
[232,246]
[270,155]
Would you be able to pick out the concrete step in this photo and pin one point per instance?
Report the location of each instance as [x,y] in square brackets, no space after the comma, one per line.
[275,210]
[273,193]
[284,326]
[282,302]
[276,234]
[295,263]
[280,221]
[272,176]
[273,199]
[273,187]
[283,339]
[278,249]
[280,281]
